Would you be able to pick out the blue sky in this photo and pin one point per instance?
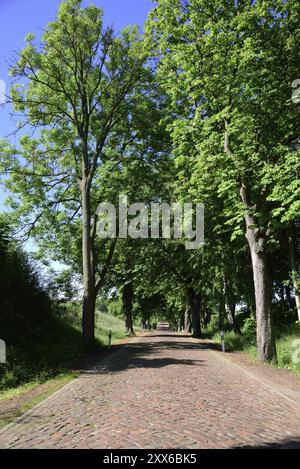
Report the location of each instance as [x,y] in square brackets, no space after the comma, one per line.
[19,17]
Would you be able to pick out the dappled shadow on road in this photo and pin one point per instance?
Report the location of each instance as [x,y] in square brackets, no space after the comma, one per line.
[288,443]
[205,338]
[143,362]
[203,345]
[176,341]
[149,354]
[171,335]
[151,345]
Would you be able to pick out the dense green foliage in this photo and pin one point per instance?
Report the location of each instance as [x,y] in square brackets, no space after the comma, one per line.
[199,108]
[51,347]
[23,300]
[42,333]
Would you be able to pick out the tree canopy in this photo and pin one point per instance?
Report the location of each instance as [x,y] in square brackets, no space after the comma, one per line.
[199,107]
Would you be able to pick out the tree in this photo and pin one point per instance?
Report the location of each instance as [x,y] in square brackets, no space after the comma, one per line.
[81,85]
[284,179]
[228,69]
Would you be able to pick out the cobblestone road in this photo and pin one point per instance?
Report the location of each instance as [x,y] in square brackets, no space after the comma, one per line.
[163,391]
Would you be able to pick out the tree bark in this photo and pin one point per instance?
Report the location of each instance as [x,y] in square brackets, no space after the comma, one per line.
[88,319]
[257,244]
[222,308]
[205,317]
[264,329]
[196,322]
[187,319]
[230,310]
[127,298]
[89,294]
[229,303]
[295,271]
[281,292]
[288,296]
[195,306]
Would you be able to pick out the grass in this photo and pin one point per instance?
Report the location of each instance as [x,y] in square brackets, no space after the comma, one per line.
[285,337]
[49,350]
[105,323]
[39,361]
[21,399]
[286,350]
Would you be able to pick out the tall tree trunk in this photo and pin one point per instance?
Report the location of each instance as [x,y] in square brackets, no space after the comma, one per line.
[129,324]
[265,329]
[257,244]
[288,297]
[195,306]
[229,305]
[205,317]
[89,289]
[88,318]
[295,271]
[222,308]
[196,321]
[251,306]
[230,310]
[187,319]
[281,294]
[127,299]
[265,335]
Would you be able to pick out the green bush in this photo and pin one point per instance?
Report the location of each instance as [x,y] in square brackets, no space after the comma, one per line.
[115,308]
[233,342]
[249,331]
[286,335]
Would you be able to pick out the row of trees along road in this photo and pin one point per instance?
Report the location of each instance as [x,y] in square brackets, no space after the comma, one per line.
[197,108]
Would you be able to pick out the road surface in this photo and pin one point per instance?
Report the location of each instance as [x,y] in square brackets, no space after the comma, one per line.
[165,390]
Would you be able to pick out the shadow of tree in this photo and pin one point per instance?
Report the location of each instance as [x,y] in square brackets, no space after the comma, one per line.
[172,334]
[293,443]
[136,355]
[203,345]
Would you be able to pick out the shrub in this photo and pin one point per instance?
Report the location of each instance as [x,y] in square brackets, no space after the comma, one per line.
[249,331]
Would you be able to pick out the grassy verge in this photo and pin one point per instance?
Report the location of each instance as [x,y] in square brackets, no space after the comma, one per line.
[43,354]
[16,401]
[40,363]
[285,337]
